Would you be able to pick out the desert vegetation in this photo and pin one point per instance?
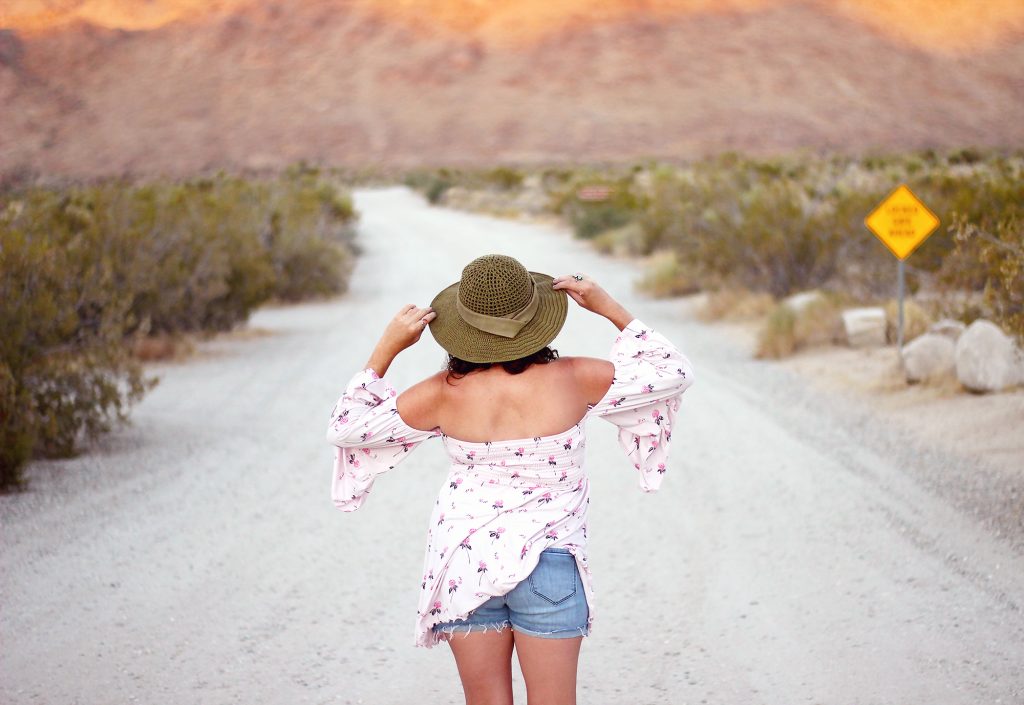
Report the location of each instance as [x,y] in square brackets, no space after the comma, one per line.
[784,225]
[89,270]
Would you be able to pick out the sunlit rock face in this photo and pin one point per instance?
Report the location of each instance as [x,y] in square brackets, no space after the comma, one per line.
[949,26]
[174,86]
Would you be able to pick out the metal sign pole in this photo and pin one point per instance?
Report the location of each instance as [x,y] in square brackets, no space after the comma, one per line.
[899,334]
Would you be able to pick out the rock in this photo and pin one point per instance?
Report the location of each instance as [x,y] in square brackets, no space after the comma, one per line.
[864,327]
[986,358]
[797,303]
[929,356]
[948,327]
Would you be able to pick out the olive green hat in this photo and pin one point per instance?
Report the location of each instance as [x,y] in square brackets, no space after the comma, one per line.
[498,311]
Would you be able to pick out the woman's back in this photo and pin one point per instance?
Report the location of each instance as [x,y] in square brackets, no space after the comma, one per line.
[493,405]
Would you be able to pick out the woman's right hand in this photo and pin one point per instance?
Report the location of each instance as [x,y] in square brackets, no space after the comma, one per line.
[589,295]
[404,329]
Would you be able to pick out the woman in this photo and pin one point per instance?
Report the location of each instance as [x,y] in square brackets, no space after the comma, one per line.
[506,562]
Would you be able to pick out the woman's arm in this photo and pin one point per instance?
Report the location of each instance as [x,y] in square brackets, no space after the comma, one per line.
[402,331]
[590,296]
[361,413]
[420,405]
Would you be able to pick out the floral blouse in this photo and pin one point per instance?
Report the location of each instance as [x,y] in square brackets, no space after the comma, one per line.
[504,502]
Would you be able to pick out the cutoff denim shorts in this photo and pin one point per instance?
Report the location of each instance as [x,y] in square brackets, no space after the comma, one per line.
[550,603]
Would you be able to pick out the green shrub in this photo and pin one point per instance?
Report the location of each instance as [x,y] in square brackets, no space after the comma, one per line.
[505,178]
[65,371]
[433,184]
[590,218]
[436,189]
[791,224]
[86,270]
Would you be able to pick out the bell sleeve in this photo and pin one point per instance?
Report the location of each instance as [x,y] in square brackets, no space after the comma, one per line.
[370,438]
[650,377]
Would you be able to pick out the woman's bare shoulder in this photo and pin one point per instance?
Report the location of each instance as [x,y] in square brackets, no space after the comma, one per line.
[418,405]
[592,374]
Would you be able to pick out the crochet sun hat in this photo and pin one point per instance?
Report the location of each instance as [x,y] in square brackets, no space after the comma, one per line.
[498,311]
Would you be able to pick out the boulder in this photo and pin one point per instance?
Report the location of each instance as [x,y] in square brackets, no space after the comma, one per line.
[986,358]
[864,327]
[929,356]
[948,327]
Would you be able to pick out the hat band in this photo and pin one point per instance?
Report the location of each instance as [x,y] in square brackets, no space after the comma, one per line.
[507,327]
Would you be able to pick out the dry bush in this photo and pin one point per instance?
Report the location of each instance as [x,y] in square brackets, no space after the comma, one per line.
[666,276]
[786,331]
[627,240]
[916,320]
[735,304]
[162,347]
[777,339]
[989,259]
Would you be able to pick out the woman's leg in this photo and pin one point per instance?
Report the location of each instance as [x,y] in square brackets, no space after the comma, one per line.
[485,665]
[549,667]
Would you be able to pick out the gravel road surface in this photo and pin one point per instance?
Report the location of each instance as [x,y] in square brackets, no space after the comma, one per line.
[798,552]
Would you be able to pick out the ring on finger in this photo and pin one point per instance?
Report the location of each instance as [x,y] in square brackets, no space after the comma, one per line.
[578,277]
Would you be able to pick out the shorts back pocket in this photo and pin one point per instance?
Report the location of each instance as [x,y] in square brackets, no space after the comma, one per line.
[554,578]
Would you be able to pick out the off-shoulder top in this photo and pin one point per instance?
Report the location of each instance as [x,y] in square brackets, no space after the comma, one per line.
[505,501]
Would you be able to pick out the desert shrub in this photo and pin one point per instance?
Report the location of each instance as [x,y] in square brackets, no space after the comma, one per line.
[777,338]
[989,257]
[16,432]
[667,276]
[915,320]
[65,373]
[787,224]
[627,240]
[309,236]
[735,304]
[504,178]
[590,218]
[433,183]
[85,270]
[435,190]
[786,331]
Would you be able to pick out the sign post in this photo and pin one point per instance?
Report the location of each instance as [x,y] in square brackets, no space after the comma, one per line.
[902,223]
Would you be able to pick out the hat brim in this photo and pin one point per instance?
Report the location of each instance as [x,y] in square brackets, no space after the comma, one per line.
[474,345]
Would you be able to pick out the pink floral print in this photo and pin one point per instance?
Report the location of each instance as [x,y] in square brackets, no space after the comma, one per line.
[531,493]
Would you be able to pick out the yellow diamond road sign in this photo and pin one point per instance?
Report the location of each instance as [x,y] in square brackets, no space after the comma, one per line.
[902,222]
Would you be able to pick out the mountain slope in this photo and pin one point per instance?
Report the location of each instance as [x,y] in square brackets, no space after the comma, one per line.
[333,81]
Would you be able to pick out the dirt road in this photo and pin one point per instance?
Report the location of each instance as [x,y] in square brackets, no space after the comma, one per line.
[796,553]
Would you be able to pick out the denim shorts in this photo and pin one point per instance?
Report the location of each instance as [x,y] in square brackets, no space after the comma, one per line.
[550,603]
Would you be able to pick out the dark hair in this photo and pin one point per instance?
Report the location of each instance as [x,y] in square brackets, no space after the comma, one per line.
[458,367]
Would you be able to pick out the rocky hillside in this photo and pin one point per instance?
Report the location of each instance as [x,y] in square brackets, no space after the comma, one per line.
[347,82]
